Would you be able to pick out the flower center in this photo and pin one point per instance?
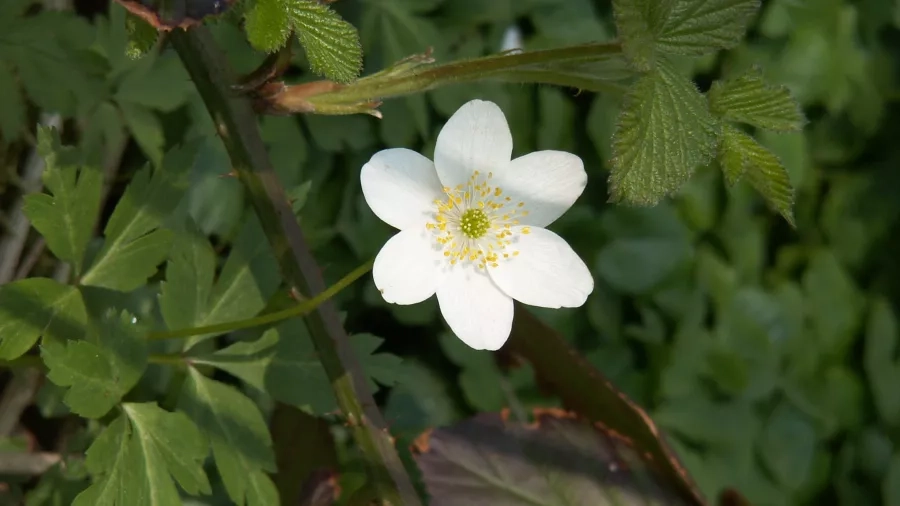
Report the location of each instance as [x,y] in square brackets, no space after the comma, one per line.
[473,223]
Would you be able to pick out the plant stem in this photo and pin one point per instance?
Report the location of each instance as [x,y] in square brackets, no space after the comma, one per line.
[300,309]
[543,66]
[237,125]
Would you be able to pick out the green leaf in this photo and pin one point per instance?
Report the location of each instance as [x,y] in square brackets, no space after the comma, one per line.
[284,363]
[637,265]
[248,279]
[890,488]
[12,103]
[559,460]
[788,446]
[146,128]
[331,44]
[834,303]
[241,444]
[65,216]
[664,132]
[101,369]
[141,36]
[135,458]
[135,244]
[748,98]
[35,307]
[880,361]
[685,27]
[740,155]
[268,25]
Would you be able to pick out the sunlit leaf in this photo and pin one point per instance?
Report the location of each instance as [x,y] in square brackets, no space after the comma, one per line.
[141,36]
[748,98]
[248,278]
[741,156]
[134,460]
[241,444]
[331,44]
[35,307]
[559,460]
[664,132]
[268,25]
[135,244]
[65,216]
[98,370]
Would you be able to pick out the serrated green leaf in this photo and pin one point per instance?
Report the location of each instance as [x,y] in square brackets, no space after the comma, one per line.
[66,215]
[35,307]
[332,44]
[749,99]
[685,27]
[135,458]
[135,244]
[268,25]
[697,27]
[12,104]
[100,370]
[248,279]
[141,36]
[740,155]
[664,132]
[241,444]
[284,363]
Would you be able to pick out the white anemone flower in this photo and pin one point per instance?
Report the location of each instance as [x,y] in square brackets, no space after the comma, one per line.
[472,226]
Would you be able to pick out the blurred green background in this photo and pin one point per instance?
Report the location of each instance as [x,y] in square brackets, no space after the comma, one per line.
[769,354]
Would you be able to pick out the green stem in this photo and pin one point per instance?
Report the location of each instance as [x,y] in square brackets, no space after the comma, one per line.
[238,128]
[550,66]
[167,359]
[300,309]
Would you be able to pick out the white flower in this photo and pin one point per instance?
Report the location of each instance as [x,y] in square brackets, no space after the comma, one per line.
[471,226]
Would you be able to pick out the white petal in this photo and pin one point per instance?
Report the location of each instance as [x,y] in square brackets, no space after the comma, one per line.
[545,273]
[475,309]
[400,186]
[476,137]
[408,268]
[548,182]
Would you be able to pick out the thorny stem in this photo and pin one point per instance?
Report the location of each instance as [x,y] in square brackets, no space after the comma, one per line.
[300,309]
[238,128]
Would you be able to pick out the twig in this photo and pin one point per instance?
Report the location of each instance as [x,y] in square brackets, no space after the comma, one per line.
[237,126]
[28,464]
[16,397]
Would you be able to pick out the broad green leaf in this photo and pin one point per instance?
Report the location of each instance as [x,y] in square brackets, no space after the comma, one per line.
[189,274]
[697,27]
[834,304]
[157,82]
[284,363]
[332,44]
[146,128]
[135,244]
[686,27]
[741,156]
[748,98]
[637,265]
[788,446]
[35,307]
[268,25]
[664,132]
[141,36]
[135,458]
[880,361]
[65,216]
[559,460]
[12,104]
[98,370]
[480,379]
[248,279]
[241,444]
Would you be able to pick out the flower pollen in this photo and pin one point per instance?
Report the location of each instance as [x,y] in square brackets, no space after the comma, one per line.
[473,223]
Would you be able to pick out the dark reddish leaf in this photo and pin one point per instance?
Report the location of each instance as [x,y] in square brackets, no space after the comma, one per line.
[583,389]
[168,14]
[560,460]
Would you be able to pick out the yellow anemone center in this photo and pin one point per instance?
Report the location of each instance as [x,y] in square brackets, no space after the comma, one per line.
[473,223]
